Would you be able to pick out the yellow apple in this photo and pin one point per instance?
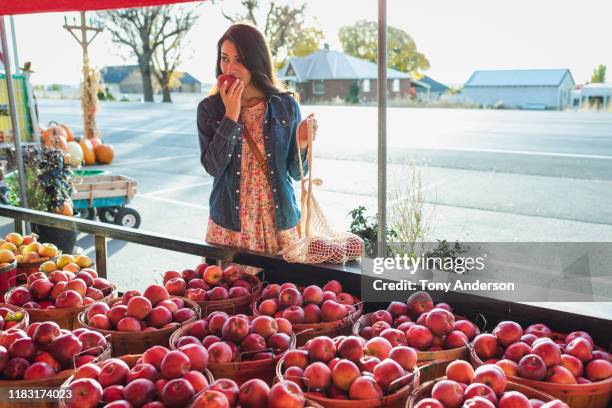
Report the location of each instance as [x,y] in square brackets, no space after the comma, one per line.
[15,238]
[33,247]
[71,267]
[31,257]
[10,246]
[48,267]
[6,256]
[49,250]
[19,258]
[84,261]
[64,260]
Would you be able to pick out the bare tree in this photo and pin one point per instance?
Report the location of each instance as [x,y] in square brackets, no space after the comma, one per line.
[142,31]
[167,57]
[282,24]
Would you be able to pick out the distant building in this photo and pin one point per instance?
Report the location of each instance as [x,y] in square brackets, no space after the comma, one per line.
[326,74]
[126,79]
[429,89]
[593,95]
[521,88]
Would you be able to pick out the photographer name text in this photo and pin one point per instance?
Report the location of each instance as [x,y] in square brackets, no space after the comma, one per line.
[423,284]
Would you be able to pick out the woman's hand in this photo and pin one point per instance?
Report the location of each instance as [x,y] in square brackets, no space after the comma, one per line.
[231,98]
[303,131]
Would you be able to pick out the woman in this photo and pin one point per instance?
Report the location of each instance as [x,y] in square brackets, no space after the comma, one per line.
[248,143]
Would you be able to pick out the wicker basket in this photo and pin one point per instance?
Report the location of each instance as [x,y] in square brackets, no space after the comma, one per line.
[307,331]
[130,360]
[435,361]
[125,343]
[395,400]
[53,382]
[239,305]
[595,395]
[239,371]
[65,318]
[424,391]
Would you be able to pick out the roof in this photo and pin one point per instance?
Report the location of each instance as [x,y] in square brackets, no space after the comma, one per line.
[434,86]
[327,64]
[116,74]
[519,77]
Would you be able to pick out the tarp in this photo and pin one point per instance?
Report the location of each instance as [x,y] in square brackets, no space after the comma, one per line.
[8,7]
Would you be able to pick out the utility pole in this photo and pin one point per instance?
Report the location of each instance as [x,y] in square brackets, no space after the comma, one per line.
[89,97]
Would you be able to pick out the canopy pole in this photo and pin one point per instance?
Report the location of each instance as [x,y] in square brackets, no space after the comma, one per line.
[382,127]
[13,108]
[15,53]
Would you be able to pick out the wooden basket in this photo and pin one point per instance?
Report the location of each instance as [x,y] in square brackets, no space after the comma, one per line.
[394,400]
[239,305]
[8,277]
[26,318]
[307,331]
[424,391]
[25,269]
[130,360]
[124,343]
[65,318]
[595,395]
[239,371]
[435,361]
[53,382]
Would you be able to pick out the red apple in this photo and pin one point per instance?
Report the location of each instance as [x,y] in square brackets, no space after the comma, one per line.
[580,348]
[220,352]
[532,367]
[254,394]
[86,393]
[486,346]
[460,371]
[139,391]
[538,330]
[235,328]
[177,393]
[378,347]
[322,348]
[419,337]
[386,372]
[508,332]
[480,390]
[549,352]
[351,348]
[491,375]
[598,370]
[516,351]
[114,371]
[365,388]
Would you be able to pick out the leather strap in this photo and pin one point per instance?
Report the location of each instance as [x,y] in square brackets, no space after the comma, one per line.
[263,163]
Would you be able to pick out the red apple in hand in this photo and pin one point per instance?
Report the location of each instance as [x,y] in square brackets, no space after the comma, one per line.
[225,78]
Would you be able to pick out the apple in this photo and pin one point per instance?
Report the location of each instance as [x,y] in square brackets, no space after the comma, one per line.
[139,391]
[154,355]
[532,367]
[296,358]
[491,375]
[351,348]
[549,352]
[285,394]
[560,375]
[430,403]
[322,348]
[284,325]
[381,316]
[129,324]
[419,337]
[220,352]
[295,314]
[482,391]
[86,393]
[386,372]
[114,371]
[217,293]
[332,311]
[598,370]
[455,339]
[460,371]
[176,286]
[440,321]
[517,350]
[235,328]
[573,364]
[92,342]
[344,373]
[312,294]
[213,275]
[184,314]
[378,347]
[279,342]
[64,347]
[365,388]
[486,346]
[238,291]
[174,364]
[580,348]
[38,370]
[397,308]
[312,313]
[69,299]
[112,393]
[508,366]
[177,393]
[508,332]
[513,399]
[448,392]
[231,274]
[24,348]
[254,394]
[539,330]
[418,303]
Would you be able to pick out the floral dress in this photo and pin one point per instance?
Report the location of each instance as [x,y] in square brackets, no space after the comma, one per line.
[257,222]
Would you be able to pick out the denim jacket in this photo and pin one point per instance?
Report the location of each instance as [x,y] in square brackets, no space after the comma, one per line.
[221,147]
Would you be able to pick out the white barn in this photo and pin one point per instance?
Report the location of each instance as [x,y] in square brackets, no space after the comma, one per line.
[521,88]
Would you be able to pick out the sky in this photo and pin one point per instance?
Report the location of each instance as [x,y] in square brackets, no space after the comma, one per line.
[457,37]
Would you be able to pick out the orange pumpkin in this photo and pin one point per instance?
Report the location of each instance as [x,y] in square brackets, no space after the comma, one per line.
[95,141]
[59,142]
[69,134]
[104,153]
[66,209]
[89,156]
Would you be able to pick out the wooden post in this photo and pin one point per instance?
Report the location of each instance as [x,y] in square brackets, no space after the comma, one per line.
[89,97]
[101,255]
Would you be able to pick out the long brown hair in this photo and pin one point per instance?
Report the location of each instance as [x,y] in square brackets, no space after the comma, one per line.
[255,56]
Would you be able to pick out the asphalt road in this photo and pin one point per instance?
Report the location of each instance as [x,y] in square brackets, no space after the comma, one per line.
[486,175]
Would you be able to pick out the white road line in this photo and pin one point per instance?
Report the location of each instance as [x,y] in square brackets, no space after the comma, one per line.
[184,156]
[176,202]
[183,187]
[523,152]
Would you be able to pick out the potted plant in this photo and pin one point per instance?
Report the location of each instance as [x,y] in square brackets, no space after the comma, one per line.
[48,188]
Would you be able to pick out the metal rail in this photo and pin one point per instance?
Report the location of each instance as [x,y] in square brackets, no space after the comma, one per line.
[102,232]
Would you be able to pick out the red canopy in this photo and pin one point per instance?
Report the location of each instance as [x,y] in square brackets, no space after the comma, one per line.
[8,7]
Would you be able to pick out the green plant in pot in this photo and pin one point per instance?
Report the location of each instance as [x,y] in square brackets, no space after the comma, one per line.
[48,188]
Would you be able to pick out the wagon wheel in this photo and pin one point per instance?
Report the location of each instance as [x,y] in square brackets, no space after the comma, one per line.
[107,214]
[127,217]
[85,213]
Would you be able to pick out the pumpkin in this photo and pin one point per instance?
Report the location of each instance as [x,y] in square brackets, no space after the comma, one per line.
[69,134]
[66,209]
[95,141]
[53,131]
[104,153]
[88,151]
[75,156]
[58,142]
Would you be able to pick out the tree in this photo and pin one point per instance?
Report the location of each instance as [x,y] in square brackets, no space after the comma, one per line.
[142,31]
[599,74]
[167,56]
[361,40]
[283,26]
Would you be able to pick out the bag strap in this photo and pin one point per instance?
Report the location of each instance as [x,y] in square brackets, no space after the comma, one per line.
[256,152]
[306,198]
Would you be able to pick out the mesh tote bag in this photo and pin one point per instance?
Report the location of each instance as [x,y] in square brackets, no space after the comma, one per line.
[318,242]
